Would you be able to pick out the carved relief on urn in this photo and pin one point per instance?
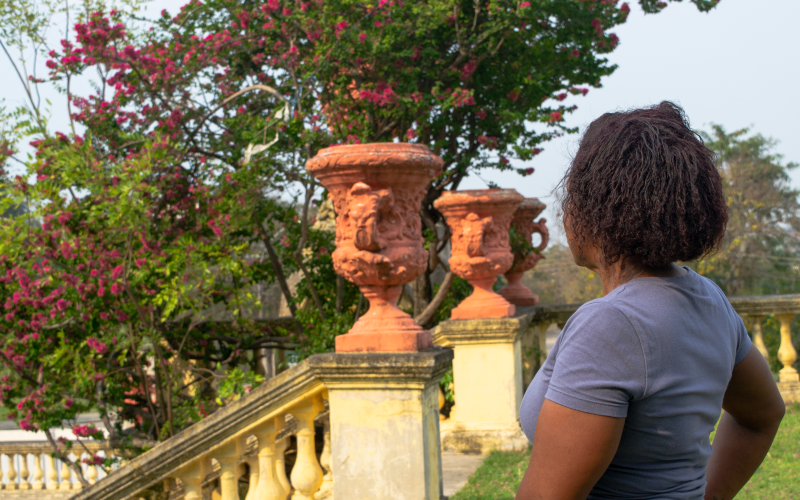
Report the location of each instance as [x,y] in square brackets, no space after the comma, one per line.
[525,258]
[479,221]
[377,190]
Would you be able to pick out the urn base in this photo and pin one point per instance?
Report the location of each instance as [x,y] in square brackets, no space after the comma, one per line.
[517,293]
[384,342]
[483,303]
[384,327]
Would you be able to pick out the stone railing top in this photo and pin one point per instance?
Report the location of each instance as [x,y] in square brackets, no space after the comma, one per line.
[274,397]
[558,313]
[762,305]
[39,447]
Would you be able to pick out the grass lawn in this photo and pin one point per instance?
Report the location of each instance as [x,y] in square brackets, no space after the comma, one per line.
[778,478]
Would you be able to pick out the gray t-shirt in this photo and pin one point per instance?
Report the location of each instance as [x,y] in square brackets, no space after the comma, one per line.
[660,352]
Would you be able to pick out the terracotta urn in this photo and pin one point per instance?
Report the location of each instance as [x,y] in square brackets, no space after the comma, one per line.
[522,229]
[480,251]
[377,190]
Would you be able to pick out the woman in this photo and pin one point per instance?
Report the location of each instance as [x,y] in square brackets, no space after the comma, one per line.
[624,404]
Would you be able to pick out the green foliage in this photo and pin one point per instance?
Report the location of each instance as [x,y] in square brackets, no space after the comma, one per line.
[759,254]
[235,384]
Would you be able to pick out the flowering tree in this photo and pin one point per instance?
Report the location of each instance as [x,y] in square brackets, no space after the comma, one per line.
[180,182]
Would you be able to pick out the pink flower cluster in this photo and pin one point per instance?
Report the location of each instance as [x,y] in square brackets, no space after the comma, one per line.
[98,346]
[85,431]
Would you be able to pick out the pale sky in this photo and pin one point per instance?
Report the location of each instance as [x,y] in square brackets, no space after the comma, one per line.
[738,66]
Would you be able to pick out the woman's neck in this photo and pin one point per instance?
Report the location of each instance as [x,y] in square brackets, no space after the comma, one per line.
[618,274]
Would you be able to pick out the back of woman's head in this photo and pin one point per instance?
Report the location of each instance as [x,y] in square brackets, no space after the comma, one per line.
[644,187]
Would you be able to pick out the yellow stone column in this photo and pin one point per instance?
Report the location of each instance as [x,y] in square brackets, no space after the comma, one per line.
[306,474]
[758,336]
[487,377]
[787,354]
[384,418]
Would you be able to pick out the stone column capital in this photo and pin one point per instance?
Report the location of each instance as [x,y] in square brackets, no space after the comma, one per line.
[371,370]
[480,331]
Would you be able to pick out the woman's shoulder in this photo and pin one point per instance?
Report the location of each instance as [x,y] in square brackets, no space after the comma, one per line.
[599,319]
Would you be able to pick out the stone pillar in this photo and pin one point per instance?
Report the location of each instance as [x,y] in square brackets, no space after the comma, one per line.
[487,374]
[384,418]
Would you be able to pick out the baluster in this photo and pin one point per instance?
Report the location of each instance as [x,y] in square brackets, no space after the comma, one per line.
[12,472]
[77,485]
[269,487]
[758,336]
[280,461]
[787,354]
[38,473]
[228,458]
[24,475]
[52,473]
[66,474]
[252,466]
[91,473]
[306,474]
[325,459]
[192,477]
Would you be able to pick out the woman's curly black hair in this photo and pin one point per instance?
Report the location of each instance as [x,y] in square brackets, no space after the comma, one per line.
[644,188]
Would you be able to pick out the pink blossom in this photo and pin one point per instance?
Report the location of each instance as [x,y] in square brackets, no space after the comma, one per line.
[25,425]
[121,316]
[504,160]
[524,5]
[513,95]
[116,289]
[362,37]
[117,272]
[85,431]
[341,27]
[64,217]
[481,114]
[62,304]
[140,262]
[561,96]
[625,8]
[101,291]
[98,346]
[411,133]
[536,151]
[68,402]
[555,116]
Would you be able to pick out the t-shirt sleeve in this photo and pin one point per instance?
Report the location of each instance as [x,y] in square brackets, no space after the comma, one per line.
[743,342]
[600,367]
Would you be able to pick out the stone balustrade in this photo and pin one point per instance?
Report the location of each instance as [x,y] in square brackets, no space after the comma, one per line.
[380,437]
[28,470]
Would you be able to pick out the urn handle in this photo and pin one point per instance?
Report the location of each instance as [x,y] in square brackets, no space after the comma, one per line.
[367,208]
[541,228]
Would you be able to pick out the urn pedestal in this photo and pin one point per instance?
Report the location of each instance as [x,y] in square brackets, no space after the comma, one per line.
[377,190]
[479,221]
[525,257]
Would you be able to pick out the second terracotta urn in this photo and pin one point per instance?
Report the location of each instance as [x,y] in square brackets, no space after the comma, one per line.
[479,221]
[377,190]
[525,257]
